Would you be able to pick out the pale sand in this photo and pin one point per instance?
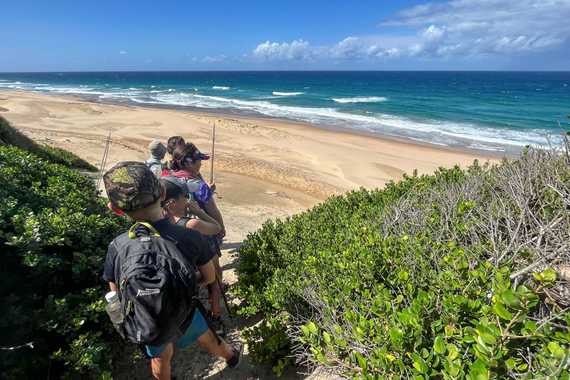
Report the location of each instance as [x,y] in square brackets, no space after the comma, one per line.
[265,168]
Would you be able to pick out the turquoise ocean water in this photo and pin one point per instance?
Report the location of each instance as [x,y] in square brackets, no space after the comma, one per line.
[494,111]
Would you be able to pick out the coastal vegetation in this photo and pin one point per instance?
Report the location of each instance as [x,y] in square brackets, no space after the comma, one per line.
[463,274]
[54,230]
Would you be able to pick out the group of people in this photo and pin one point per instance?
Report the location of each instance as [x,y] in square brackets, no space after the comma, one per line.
[176,236]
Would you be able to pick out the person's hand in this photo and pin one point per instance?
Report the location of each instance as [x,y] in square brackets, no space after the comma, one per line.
[222,233]
[193,208]
[212,186]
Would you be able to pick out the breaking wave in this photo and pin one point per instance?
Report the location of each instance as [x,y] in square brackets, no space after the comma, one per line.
[361,99]
[280,93]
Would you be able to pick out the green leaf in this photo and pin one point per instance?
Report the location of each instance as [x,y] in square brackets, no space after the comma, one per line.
[361,361]
[547,276]
[487,336]
[312,328]
[502,312]
[419,363]
[439,345]
[510,298]
[555,349]
[326,337]
[453,353]
[478,371]
[510,363]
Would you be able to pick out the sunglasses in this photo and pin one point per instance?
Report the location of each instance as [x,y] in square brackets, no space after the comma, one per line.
[195,157]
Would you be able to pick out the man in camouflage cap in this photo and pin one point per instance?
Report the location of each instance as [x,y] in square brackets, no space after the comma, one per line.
[131,186]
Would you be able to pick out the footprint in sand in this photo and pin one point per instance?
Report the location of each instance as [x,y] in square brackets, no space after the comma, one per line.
[2,109]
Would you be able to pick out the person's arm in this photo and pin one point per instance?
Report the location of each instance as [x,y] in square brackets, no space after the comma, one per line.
[204,227]
[113,287]
[205,224]
[212,210]
[208,273]
[194,245]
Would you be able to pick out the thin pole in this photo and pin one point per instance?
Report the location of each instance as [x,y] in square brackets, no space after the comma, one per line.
[213,153]
[104,159]
[224,296]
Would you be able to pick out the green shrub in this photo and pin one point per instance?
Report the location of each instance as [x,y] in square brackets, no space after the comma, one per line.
[452,275]
[54,231]
[12,137]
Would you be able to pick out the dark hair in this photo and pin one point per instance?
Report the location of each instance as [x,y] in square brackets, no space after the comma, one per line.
[171,190]
[173,143]
[180,153]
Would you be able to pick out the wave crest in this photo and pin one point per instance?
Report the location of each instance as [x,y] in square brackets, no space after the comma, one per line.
[281,93]
[223,88]
[361,99]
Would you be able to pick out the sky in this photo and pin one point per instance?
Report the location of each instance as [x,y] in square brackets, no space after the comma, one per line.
[106,35]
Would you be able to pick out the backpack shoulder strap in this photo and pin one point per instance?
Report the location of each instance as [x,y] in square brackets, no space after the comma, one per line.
[139,228]
[182,221]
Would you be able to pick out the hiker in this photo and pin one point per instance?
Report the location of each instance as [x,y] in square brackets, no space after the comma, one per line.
[149,264]
[154,163]
[186,164]
[172,143]
[186,213]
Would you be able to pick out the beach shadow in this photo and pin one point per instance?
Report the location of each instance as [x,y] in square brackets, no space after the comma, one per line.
[233,246]
[233,265]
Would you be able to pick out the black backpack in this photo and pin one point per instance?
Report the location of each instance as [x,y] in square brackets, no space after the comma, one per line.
[157,287]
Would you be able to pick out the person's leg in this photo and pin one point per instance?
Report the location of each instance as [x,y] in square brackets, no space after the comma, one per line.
[215,294]
[160,365]
[221,349]
[200,332]
[216,260]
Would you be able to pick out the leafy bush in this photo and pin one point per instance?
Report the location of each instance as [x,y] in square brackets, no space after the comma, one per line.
[54,230]
[10,136]
[452,275]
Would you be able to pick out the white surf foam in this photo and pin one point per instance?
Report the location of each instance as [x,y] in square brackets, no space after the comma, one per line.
[222,88]
[428,130]
[281,93]
[361,99]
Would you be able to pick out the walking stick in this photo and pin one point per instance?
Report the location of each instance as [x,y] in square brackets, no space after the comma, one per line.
[213,153]
[224,297]
[104,159]
[218,279]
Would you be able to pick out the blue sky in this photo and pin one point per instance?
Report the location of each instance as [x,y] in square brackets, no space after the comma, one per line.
[264,35]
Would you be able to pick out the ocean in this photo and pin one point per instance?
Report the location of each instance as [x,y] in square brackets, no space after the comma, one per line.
[492,111]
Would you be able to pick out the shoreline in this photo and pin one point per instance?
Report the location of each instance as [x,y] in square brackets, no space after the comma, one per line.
[258,117]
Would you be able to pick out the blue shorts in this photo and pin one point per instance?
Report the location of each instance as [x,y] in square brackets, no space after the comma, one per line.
[196,329]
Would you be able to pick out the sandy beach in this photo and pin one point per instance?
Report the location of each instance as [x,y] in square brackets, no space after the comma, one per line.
[264,168]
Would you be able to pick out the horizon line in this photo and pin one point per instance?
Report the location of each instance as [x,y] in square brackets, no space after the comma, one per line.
[274,71]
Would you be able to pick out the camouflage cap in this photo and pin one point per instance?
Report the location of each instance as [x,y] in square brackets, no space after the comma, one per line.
[131,186]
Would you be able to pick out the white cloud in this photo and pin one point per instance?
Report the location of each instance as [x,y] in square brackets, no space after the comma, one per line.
[296,50]
[450,28]
[366,48]
[213,59]
[475,27]
[123,52]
